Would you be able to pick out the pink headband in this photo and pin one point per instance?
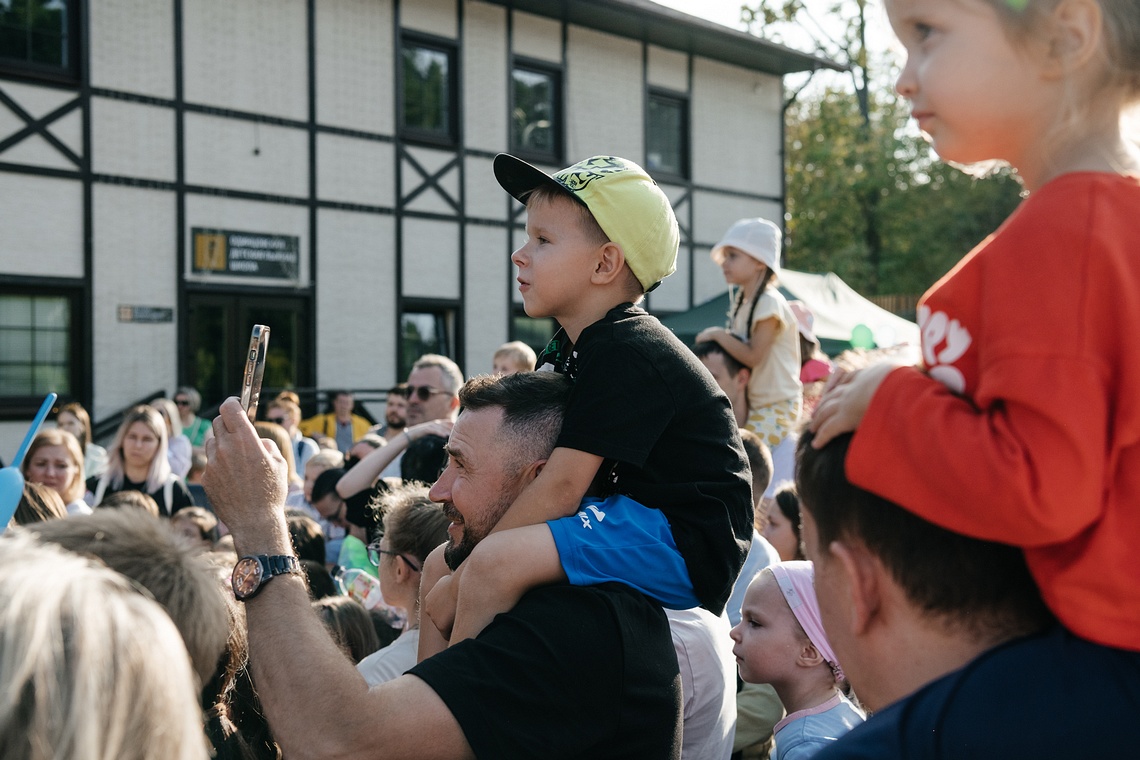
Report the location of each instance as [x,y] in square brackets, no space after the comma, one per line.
[795,582]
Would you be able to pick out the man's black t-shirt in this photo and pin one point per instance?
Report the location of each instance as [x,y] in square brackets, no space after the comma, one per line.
[644,402]
[570,672]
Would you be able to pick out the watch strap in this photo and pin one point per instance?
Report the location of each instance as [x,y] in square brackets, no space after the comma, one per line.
[278,564]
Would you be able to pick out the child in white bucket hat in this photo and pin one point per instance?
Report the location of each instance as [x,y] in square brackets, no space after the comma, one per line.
[761,332]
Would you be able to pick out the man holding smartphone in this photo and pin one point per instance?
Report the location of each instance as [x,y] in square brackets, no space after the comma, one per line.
[516,690]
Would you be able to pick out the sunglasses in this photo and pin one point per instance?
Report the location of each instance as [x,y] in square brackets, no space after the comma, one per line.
[374,552]
[278,420]
[181,402]
[422,392]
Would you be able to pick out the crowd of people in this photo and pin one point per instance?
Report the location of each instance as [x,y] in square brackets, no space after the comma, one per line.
[625,547]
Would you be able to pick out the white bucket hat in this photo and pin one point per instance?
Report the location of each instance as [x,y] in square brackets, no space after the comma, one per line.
[757,237]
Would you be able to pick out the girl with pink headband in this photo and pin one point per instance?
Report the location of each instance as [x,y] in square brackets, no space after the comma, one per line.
[780,640]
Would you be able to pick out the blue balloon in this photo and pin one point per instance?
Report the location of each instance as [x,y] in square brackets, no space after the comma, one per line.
[11,489]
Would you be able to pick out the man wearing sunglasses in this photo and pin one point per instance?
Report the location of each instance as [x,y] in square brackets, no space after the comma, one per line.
[432,391]
[571,671]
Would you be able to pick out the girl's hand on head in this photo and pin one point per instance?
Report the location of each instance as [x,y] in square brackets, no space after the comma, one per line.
[710,334]
[845,401]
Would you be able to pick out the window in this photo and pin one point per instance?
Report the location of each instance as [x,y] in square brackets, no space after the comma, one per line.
[425,331]
[667,136]
[37,331]
[536,123]
[38,37]
[429,95]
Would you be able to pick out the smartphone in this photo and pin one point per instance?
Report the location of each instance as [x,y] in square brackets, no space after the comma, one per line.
[254,369]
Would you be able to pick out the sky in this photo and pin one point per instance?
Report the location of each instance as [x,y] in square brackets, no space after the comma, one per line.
[880,40]
[727,12]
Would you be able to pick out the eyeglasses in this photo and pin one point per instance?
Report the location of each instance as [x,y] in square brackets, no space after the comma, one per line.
[182,402]
[278,420]
[374,552]
[422,392]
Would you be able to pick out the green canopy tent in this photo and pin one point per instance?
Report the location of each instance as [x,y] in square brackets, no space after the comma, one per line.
[839,312]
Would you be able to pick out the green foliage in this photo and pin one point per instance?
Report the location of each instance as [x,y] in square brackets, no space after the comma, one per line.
[866,197]
[853,186]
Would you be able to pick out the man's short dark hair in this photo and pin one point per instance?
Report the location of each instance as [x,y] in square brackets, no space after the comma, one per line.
[980,586]
[533,405]
[326,484]
[759,458]
[707,347]
[306,535]
[424,459]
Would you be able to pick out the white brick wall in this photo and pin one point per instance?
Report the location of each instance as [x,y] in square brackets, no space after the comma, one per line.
[356,296]
[134,265]
[484,77]
[248,55]
[246,155]
[488,273]
[604,97]
[132,46]
[132,139]
[436,17]
[43,226]
[431,259]
[355,64]
[537,37]
[736,128]
[353,170]
[668,69]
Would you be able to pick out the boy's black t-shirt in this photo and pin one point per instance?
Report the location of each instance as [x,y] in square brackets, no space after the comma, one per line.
[643,401]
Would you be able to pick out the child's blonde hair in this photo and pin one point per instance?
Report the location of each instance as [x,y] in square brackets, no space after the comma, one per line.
[518,353]
[1120,27]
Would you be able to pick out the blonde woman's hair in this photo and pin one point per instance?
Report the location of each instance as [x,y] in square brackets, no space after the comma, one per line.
[59,437]
[169,410]
[92,670]
[159,466]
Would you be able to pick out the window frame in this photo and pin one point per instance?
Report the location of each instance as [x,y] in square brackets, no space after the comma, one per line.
[558,128]
[22,407]
[681,99]
[449,138]
[68,74]
[520,320]
[446,321]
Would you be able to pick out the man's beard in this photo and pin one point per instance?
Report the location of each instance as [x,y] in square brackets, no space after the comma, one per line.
[455,553]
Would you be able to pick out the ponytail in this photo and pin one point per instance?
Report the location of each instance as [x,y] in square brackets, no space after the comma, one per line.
[768,274]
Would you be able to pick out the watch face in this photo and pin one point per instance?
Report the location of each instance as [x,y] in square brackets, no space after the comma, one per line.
[246,577]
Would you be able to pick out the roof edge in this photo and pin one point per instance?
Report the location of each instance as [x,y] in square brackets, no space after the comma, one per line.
[673,29]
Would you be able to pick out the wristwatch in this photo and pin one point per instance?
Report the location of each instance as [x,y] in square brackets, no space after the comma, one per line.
[254,571]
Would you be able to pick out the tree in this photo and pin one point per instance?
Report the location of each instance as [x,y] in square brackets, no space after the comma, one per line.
[866,198]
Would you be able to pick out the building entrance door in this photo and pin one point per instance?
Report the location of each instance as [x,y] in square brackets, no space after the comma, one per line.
[219,327]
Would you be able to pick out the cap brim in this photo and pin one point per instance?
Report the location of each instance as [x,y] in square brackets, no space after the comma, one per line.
[519,178]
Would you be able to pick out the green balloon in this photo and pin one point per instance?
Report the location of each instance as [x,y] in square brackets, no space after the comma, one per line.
[861,337]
